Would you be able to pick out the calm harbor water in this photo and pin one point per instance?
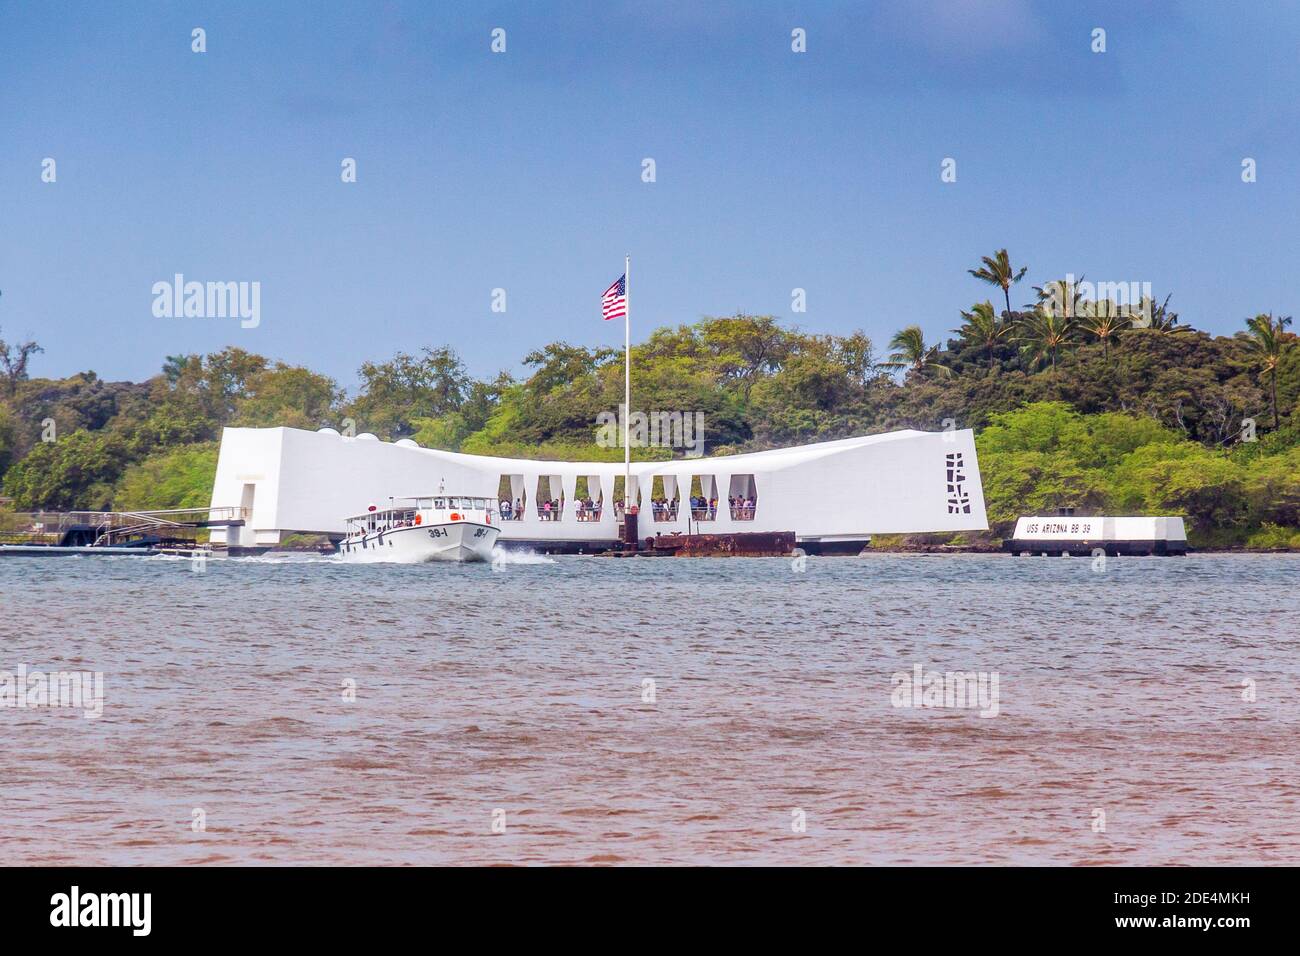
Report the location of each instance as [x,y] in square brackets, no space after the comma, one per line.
[517,696]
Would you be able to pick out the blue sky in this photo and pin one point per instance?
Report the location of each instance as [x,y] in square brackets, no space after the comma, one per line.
[522,170]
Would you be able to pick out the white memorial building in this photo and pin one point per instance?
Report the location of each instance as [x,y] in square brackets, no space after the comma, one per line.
[833,495]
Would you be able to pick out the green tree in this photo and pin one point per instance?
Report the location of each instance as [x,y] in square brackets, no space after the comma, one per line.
[560,365]
[288,395]
[8,438]
[911,352]
[745,347]
[856,354]
[1162,320]
[175,478]
[396,392]
[1102,321]
[1043,334]
[1187,479]
[14,360]
[1060,295]
[1269,341]
[983,329]
[76,472]
[226,379]
[997,270]
[174,366]
[1272,485]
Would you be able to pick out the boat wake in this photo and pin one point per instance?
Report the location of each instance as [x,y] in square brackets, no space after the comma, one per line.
[289,557]
[502,556]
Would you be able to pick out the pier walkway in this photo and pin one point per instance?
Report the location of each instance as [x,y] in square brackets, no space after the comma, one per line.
[27,530]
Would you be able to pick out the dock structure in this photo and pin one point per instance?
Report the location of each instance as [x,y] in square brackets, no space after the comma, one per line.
[757,544]
[833,495]
[1071,534]
[50,533]
[740,544]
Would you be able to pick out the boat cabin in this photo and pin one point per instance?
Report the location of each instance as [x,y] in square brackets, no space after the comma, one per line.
[421,510]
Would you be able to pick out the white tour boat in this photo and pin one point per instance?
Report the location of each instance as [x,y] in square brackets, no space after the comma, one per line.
[412,530]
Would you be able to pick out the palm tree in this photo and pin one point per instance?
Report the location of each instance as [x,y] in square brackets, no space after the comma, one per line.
[1269,339]
[1103,321]
[997,271]
[983,328]
[912,353]
[1062,292]
[1044,334]
[1162,320]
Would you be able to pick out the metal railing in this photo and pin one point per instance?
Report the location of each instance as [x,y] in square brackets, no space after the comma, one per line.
[50,527]
[580,512]
[661,511]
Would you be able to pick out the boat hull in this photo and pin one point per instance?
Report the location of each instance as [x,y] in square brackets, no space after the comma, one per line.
[452,541]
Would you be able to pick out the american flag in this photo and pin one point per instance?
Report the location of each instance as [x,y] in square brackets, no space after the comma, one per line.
[613,304]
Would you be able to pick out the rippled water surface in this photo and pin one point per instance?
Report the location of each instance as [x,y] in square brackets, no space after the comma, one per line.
[516,696]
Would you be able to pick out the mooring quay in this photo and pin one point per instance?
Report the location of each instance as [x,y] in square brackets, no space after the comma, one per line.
[752,544]
[1073,534]
[50,533]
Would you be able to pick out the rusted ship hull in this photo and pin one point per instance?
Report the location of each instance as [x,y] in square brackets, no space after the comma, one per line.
[750,544]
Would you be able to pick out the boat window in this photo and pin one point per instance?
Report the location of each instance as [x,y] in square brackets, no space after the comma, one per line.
[424,503]
[440,503]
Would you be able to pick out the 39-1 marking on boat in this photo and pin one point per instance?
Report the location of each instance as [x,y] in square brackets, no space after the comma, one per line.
[456,528]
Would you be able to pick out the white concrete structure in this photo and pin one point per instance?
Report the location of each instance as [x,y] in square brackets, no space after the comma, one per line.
[834,495]
[1039,534]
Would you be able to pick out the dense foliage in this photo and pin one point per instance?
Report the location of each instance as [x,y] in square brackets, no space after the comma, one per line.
[1073,405]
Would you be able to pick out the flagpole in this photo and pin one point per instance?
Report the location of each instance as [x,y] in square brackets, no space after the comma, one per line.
[627,382]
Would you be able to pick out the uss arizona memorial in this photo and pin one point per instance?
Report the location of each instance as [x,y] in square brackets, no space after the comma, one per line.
[834,495]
